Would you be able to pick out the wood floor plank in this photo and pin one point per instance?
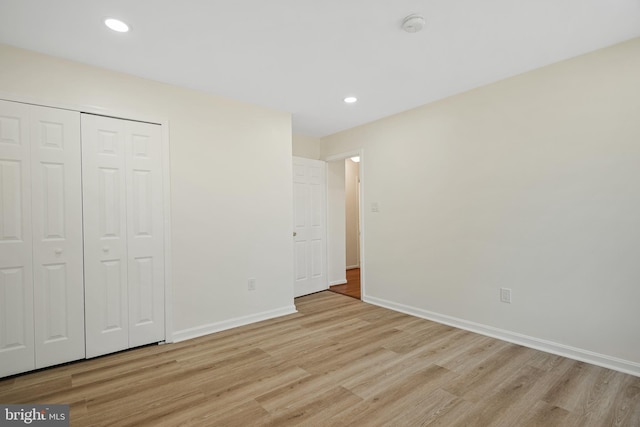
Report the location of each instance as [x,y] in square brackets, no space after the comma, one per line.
[337,362]
[409,340]
[542,414]
[341,354]
[476,349]
[242,415]
[490,373]
[571,389]
[430,408]
[144,412]
[313,412]
[505,405]
[621,393]
[395,371]
[394,399]
[545,361]
[239,393]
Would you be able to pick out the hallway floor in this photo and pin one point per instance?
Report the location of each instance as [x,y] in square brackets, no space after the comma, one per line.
[352,287]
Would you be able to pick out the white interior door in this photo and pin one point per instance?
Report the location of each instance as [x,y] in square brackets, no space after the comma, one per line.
[57,235]
[309,226]
[17,353]
[145,233]
[105,235]
[124,241]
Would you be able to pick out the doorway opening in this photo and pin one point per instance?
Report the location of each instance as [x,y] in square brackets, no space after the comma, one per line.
[344,220]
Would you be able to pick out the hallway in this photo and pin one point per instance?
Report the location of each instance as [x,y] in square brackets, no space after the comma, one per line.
[352,287]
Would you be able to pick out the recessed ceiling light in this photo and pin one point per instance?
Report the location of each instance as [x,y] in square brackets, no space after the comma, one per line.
[351,99]
[355,159]
[116,25]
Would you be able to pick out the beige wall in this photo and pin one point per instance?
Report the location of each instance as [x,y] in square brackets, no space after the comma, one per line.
[230,183]
[305,146]
[351,214]
[531,183]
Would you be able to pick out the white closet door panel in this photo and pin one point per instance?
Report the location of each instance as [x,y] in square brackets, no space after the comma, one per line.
[105,234]
[16,280]
[57,235]
[145,237]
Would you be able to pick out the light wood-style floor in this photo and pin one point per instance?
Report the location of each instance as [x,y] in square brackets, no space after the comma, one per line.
[337,362]
[352,287]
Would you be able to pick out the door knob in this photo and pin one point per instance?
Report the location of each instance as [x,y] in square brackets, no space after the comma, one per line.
[105,249]
[58,251]
[295,234]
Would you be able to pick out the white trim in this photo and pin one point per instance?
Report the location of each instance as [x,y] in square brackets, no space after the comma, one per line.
[326,224]
[337,282]
[168,271]
[166,166]
[211,328]
[361,167]
[626,366]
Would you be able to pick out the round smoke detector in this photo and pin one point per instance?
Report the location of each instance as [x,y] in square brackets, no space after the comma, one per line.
[413,23]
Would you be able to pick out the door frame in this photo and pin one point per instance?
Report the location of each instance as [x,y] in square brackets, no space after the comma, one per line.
[343,156]
[166,180]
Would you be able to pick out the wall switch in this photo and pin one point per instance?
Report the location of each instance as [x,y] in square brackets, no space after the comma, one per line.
[252,284]
[505,295]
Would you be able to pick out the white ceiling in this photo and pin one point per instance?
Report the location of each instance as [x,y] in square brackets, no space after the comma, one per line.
[305,56]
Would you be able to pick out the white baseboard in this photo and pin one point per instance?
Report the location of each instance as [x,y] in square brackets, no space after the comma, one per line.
[351,267]
[338,282]
[199,331]
[582,355]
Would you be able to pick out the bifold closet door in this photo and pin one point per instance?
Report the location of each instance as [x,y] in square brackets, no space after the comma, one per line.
[123,234]
[41,274]
[57,235]
[145,233]
[17,352]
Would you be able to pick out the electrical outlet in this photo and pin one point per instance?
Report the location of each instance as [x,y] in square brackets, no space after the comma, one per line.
[252,284]
[505,295]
